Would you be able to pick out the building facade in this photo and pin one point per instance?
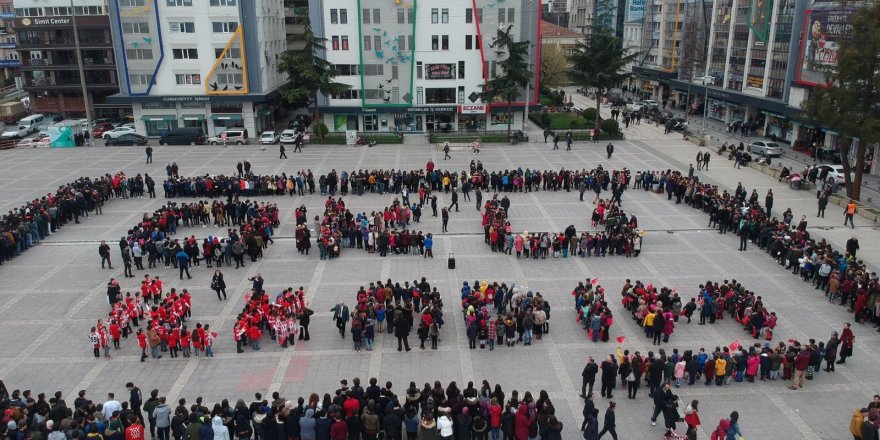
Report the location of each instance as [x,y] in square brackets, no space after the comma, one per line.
[419,66]
[9,59]
[210,64]
[49,68]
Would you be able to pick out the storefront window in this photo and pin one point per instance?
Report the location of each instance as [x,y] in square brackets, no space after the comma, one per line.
[371,123]
[472,122]
[439,122]
[159,128]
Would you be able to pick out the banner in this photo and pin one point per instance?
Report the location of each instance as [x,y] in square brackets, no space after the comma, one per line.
[759,18]
[823,29]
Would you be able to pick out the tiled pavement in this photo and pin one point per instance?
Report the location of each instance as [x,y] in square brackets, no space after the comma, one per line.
[51,295]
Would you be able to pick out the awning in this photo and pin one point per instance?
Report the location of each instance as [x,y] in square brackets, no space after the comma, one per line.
[193,117]
[772,114]
[232,117]
[157,118]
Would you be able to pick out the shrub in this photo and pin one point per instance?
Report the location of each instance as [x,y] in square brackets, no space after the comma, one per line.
[610,126]
[321,130]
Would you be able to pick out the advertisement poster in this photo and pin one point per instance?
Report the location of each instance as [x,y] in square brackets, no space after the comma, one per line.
[823,29]
[759,18]
[500,118]
[61,136]
[636,10]
[340,122]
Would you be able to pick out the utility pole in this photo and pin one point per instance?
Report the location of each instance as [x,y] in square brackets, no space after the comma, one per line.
[528,84]
[82,77]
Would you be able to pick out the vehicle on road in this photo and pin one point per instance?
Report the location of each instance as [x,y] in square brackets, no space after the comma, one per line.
[650,104]
[300,120]
[33,142]
[16,132]
[634,106]
[237,136]
[183,136]
[126,139]
[835,172]
[765,148]
[269,137]
[116,132]
[288,136]
[101,128]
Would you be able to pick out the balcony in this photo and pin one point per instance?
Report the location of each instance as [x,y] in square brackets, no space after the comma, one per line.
[67,62]
[294,29]
[55,103]
[296,44]
[70,80]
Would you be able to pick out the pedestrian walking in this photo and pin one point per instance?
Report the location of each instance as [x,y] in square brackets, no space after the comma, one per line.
[218,285]
[281,149]
[849,212]
[609,421]
[609,149]
[446,151]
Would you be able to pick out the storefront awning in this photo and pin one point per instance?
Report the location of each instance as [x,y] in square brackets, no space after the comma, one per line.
[157,118]
[193,117]
[226,117]
[772,114]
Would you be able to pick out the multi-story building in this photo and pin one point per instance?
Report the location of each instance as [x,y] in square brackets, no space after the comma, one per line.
[49,66]
[210,64]
[419,67]
[9,60]
[581,15]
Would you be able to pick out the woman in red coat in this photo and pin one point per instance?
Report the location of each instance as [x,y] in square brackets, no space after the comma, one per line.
[522,422]
[847,338]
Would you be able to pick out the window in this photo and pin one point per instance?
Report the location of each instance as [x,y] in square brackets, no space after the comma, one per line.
[224,27]
[185,54]
[461,70]
[188,79]
[445,43]
[461,94]
[435,42]
[468,42]
[140,79]
[334,42]
[435,17]
[29,12]
[412,42]
[440,95]
[182,27]
[131,3]
[346,69]
[60,10]
[334,16]
[374,69]
[401,42]
[444,15]
[478,42]
[365,16]
[140,27]
[371,93]
[510,15]
[223,2]
[345,42]
[420,95]
[468,15]
[88,10]
[367,42]
[377,42]
[401,15]
[410,16]
[502,15]
[346,94]
[180,3]
[376,19]
[232,53]
[343,16]
[139,54]
[394,70]
[158,105]
[480,15]
[418,70]
[229,78]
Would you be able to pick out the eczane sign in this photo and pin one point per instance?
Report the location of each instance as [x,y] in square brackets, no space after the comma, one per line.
[472,109]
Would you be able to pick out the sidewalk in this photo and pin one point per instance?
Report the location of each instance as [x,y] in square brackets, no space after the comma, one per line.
[680,153]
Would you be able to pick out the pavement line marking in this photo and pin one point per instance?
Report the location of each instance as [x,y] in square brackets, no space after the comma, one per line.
[792,416]
[182,379]
[89,377]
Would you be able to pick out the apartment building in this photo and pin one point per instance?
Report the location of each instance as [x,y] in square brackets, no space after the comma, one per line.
[9,60]
[210,64]
[419,67]
[45,42]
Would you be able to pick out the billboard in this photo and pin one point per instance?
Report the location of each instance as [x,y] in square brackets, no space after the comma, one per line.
[635,10]
[823,30]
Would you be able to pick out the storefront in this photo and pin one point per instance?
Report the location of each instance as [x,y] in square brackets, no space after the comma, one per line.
[194,121]
[158,125]
[472,117]
[778,127]
[223,121]
[726,112]
[400,119]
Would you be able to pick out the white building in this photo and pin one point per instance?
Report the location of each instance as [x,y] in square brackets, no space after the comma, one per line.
[199,63]
[414,69]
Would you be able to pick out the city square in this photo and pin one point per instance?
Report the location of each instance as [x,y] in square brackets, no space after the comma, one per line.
[52,294]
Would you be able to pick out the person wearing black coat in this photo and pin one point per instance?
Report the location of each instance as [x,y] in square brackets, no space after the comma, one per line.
[610,422]
[589,406]
[508,420]
[463,424]
[661,399]
[633,385]
[270,426]
[609,375]
[355,426]
[869,432]
[588,377]
[391,423]
[291,423]
[670,412]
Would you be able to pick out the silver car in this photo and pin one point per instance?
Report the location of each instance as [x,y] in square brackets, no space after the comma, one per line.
[765,148]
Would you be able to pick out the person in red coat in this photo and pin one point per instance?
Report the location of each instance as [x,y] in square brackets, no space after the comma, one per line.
[522,422]
[142,342]
[254,334]
[847,338]
[339,429]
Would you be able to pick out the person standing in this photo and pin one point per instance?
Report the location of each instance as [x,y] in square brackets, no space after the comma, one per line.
[852,246]
[706,162]
[135,430]
[801,363]
[609,375]
[454,201]
[446,151]
[445,217]
[846,343]
[609,421]
[104,252]
[162,414]
[588,377]
[218,285]
[823,203]
[849,212]
[692,418]
[768,202]
[568,140]
[479,196]
[609,149]
[831,352]
[183,264]
[281,150]
[401,330]
[340,315]
[149,151]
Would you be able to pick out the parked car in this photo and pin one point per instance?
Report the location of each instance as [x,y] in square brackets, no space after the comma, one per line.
[835,172]
[765,148]
[301,120]
[16,132]
[183,136]
[116,132]
[126,139]
[634,106]
[101,128]
[269,137]
[288,136]
[33,142]
[650,104]
[237,136]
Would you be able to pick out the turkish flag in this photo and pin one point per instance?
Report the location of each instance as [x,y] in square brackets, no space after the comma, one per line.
[734,345]
[621,339]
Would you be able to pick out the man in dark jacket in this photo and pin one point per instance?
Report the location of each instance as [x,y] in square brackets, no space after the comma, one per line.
[609,422]
[401,331]
[588,377]
[609,375]
[589,406]
[661,399]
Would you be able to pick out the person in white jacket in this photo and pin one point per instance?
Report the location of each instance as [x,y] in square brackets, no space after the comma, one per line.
[220,431]
[444,424]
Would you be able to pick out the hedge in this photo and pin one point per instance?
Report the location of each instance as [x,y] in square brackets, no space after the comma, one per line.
[339,138]
[468,138]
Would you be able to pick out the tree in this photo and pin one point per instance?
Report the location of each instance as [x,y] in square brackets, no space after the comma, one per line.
[515,75]
[554,66]
[307,73]
[597,63]
[849,105]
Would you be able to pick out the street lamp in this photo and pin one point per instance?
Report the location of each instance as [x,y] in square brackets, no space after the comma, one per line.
[82,77]
[706,81]
[525,126]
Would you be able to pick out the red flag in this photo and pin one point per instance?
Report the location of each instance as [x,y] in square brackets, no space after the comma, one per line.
[734,345]
[621,339]
[594,281]
[791,341]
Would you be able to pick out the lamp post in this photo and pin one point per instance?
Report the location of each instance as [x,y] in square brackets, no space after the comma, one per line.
[82,75]
[706,81]
[525,126]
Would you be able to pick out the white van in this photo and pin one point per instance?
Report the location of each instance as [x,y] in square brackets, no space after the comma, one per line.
[32,121]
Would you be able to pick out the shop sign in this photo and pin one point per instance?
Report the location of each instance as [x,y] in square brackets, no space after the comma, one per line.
[440,71]
[472,109]
[755,81]
[186,99]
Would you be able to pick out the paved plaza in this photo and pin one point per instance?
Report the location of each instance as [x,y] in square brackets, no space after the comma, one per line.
[52,294]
